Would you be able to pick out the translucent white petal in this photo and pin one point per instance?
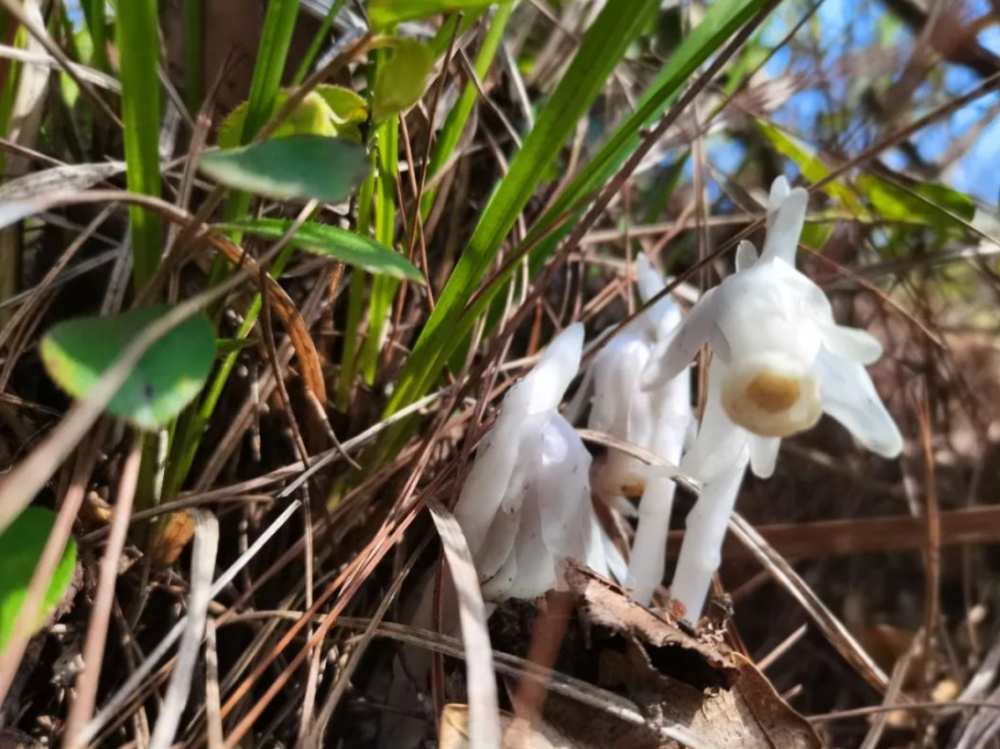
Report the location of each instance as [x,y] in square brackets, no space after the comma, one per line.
[673,355]
[850,397]
[648,279]
[851,343]
[548,380]
[562,486]
[785,226]
[616,374]
[487,482]
[779,191]
[746,256]
[498,587]
[764,455]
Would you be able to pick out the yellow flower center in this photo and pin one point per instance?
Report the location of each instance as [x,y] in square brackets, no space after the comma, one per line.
[774,393]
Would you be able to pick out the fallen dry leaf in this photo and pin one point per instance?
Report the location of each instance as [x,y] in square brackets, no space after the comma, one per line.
[701,657]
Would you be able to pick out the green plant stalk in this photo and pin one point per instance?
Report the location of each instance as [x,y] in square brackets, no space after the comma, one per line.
[356,300]
[275,43]
[97,26]
[458,117]
[448,326]
[193,423]
[317,43]
[137,26]
[383,288]
[602,48]
[194,51]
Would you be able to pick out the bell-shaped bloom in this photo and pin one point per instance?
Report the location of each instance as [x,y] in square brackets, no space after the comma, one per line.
[779,362]
[781,359]
[526,504]
[657,420]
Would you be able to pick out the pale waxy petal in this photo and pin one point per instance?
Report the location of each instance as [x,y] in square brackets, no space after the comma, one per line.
[616,373]
[764,455]
[666,314]
[785,226]
[853,344]
[552,375]
[746,256]
[672,356]
[487,483]
[779,191]
[850,397]
[648,279]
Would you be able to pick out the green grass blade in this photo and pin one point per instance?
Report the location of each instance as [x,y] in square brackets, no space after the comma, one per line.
[602,48]
[458,117]
[275,43]
[348,247]
[356,300]
[97,25]
[383,289]
[317,43]
[138,48]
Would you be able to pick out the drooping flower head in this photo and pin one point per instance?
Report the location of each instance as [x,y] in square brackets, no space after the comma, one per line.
[779,362]
[526,505]
[780,359]
[658,421]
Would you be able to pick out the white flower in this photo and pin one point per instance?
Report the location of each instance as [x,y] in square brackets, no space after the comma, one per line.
[526,505]
[780,359]
[779,362]
[657,420]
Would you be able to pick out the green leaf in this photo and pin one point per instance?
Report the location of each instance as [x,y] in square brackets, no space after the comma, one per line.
[924,203]
[600,50]
[137,32]
[328,111]
[401,81]
[166,379]
[384,13]
[299,166]
[21,547]
[340,244]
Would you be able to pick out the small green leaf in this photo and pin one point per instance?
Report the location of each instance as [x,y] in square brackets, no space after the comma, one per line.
[21,547]
[345,246]
[299,166]
[383,13]
[401,81]
[77,352]
[329,111]
[930,204]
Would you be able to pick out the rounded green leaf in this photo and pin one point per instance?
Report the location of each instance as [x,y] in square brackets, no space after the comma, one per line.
[346,246]
[327,111]
[21,547]
[167,378]
[401,81]
[299,166]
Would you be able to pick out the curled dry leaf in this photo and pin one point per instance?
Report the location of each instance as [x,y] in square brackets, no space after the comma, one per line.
[748,715]
[701,656]
[675,677]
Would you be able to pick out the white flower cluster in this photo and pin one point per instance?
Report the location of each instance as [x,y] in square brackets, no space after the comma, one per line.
[779,361]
